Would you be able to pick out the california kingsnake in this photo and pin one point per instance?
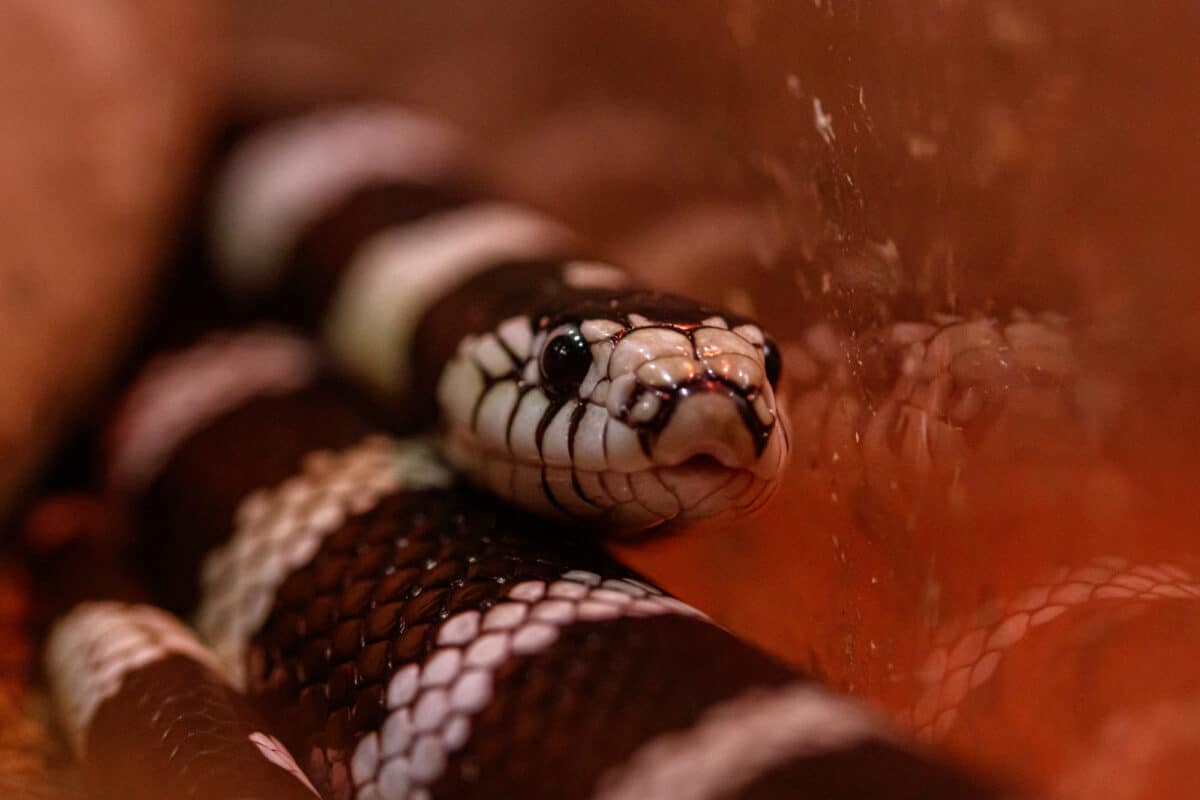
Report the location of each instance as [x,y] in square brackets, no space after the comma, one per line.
[559,386]
[397,635]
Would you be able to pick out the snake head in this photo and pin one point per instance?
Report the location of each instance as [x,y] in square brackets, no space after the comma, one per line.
[626,407]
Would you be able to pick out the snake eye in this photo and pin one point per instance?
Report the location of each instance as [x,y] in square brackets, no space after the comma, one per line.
[566,359]
[772,361]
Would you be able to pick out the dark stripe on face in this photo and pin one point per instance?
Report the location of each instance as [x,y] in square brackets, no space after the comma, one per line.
[549,494]
[579,489]
[522,390]
[175,730]
[648,432]
[759,432]
[576,417]
[563,717]
[326,247]
[490,383]
[547,417]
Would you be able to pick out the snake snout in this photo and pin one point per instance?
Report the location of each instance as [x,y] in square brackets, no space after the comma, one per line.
[708,424]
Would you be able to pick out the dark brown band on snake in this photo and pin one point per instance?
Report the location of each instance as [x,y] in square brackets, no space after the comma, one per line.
[181,526]
[325,249]
[193,736]
[150,715]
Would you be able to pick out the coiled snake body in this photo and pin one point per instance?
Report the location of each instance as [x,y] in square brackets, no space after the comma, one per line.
[370,628]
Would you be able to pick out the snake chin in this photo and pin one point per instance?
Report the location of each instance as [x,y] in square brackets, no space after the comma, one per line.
[708,490]
[699,487]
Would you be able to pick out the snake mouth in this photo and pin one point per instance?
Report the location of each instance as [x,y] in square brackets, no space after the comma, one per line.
[693,479]
[703,464]
[706,488]
[698,487]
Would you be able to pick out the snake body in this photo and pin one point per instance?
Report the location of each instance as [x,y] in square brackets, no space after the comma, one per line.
[362,625]
[402,636]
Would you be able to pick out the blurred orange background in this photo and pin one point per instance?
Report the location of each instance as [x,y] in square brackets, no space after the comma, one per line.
[833,167]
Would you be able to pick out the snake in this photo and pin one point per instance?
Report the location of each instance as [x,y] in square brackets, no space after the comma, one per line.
[559,384]
[341,613]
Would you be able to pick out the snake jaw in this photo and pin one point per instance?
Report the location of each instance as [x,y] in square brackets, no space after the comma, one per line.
[620,503]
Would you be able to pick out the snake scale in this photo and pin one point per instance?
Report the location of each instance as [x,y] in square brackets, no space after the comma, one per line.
[364,622]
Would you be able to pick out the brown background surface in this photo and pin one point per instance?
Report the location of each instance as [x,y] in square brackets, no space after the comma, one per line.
[102,107]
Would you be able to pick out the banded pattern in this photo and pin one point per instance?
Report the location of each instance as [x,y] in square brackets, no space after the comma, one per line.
[161,425]
[736,741]
[287,176]
[430,706]
[395,275]
[150,715]
[279,530]
[98,645]
[400,620]
[179,394]
[430,649]
[538,358]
